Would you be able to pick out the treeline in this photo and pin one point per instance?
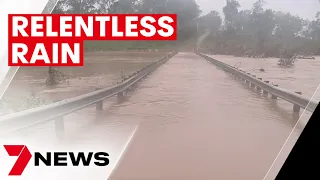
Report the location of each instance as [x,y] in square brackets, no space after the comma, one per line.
[187,10]
[260,32]
[253,32]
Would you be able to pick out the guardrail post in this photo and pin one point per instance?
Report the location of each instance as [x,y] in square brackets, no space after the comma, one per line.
[128,89]
[59,126]
[239,77]
[246,81]
[296,108]
[264,91]
[120,95]
[258,88]
[274,96]
[99,104]
[251,84]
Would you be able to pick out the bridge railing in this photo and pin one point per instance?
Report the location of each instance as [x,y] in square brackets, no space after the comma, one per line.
[295,98]
[56,111]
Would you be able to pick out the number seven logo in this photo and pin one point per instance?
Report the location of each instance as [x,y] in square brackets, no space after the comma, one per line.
[24,157]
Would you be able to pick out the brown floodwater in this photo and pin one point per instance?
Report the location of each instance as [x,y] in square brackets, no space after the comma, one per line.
[187,120]
[198,122]
[101,69]
[303,77]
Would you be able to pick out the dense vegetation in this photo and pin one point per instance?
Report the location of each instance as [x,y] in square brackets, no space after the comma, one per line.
[254,32]
[260,32]
[188,11]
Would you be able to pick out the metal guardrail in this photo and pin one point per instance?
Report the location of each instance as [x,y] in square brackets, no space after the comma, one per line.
[56,111]
[295,98]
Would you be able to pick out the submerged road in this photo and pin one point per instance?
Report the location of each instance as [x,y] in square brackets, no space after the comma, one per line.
[197,122]
[194,122]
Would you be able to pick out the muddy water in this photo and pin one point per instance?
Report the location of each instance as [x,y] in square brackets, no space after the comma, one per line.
[303,77]
[101,69]
[197,122]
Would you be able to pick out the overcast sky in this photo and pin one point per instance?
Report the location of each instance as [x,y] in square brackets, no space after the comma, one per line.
[304,8]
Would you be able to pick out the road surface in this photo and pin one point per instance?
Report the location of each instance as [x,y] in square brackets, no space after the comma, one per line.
[197,122]
[187,120]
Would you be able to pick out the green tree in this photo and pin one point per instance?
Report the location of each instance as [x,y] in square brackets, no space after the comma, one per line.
[187,11]
[314,28]
[124,6]
[83,6]
[211,21]
[287,26]
[231,11]
[261,25]
[263,32]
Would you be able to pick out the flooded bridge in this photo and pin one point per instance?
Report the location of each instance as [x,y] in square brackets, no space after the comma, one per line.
[187,120]
[197,122]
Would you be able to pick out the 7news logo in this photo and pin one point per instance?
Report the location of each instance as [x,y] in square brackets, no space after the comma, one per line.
[53,158]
